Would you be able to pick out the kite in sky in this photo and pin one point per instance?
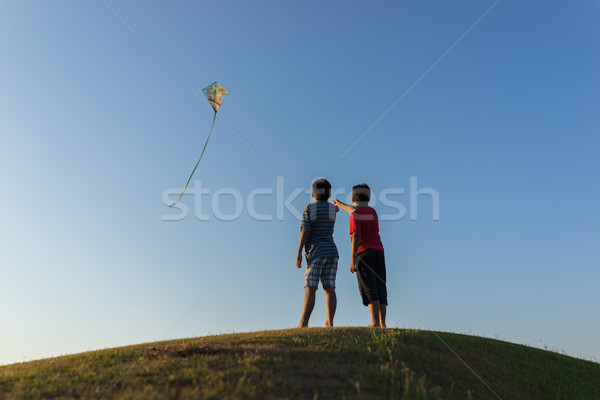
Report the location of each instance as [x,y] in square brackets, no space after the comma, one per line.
[216,94]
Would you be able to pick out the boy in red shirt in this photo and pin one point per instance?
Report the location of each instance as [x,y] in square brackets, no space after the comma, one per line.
[367,257]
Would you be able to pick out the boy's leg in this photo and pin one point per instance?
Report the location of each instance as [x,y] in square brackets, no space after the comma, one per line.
[331,300]
[374,309]
[307,307]
[311,283]
[382,310]
[367,284]
[381,287]
[328,278]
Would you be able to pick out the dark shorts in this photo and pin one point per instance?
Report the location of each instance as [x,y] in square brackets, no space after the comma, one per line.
[370,273]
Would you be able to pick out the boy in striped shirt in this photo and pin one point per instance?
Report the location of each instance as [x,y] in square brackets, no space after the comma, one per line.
[316,237]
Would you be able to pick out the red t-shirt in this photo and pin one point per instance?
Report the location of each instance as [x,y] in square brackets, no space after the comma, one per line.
[364,220]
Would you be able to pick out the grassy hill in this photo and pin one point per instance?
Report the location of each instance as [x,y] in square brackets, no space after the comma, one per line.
[316,363]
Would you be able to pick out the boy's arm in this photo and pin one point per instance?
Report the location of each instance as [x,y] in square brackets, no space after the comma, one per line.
[346,207]
[354,250]
[303,236]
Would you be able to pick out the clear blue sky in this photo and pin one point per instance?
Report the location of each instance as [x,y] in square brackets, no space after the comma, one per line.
[94,128]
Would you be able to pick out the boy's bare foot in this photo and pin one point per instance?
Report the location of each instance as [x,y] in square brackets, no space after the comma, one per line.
[375,326]
[328,325]
[301,326]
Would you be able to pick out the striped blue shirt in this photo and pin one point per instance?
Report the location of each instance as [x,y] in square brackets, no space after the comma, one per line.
[319,217]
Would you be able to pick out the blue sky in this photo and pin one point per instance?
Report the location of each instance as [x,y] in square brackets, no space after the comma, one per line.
[95,128]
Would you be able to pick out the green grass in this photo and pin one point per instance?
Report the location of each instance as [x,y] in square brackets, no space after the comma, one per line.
[316,363]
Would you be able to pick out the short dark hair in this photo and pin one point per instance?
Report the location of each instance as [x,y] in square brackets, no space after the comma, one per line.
[361,192]
[321,189]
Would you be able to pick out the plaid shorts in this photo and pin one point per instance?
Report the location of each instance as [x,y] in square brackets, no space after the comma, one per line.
[323,269]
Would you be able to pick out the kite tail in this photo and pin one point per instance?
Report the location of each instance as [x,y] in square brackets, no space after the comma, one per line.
[194,170]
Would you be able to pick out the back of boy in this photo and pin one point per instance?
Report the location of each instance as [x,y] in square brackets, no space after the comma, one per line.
[367,258]
[370,258]
[316,238]
[319,218]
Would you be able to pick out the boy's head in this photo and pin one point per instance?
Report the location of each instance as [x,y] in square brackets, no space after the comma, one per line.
[321,189]
[361,193]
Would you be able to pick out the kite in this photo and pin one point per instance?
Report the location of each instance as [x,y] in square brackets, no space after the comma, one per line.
[215,94]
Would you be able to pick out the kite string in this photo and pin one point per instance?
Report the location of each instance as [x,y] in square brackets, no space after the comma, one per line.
[201,154]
